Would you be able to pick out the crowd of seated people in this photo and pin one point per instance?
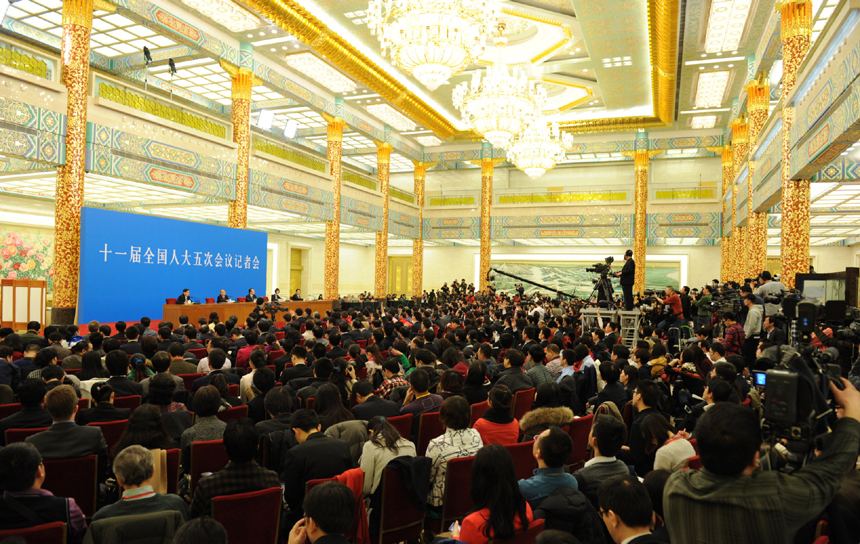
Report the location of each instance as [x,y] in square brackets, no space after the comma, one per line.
[653,440]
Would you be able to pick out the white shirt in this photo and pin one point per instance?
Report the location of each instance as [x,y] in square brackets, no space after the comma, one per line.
[244,384]
[599,460]
[203,365]
[634,537]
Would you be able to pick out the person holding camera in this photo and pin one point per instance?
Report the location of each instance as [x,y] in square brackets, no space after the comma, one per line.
[676,310]
[733,501]
[627,277]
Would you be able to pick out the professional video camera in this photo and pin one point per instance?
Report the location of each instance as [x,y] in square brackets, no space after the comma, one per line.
[602,268]
[273,309]
[726,302]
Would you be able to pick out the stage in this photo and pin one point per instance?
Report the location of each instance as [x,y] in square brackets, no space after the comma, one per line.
[241,310]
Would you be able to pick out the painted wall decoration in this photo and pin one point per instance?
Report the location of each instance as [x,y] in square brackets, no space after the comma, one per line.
[27,254]
[571,277]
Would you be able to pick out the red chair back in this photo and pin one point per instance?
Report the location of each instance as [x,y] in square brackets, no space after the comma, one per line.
[458,490]
[210,300]
[206,456]
[72,370]
[200,353]
[695,444]
[7,410]
[170,301]
[579,431]
[132,402]
[258,509]
[280,335]
[49,533]
[276,354]
[362,344]
[399,520]
[173,457]
[478,410]
[76,478]
[237,412]
[523,401]
[271,367]
[528,537]
[309,403]
[353,530]
[188,379]
[112,431]
[403,424]
[384,354]
[695,463]
[18,435]
[83,404]
[233,390]
[429,427]
[524,459]
[361,373]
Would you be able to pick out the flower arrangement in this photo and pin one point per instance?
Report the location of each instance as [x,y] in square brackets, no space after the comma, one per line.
[27,255]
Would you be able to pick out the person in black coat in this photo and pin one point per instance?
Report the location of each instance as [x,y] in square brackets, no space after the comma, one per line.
[217,358]
[117,364]
[613,390]
[31,393]
[132,345]
[646,399]
[627,276]
[513,376]
[104,410]
[316,456]
[626,510]
[369,405]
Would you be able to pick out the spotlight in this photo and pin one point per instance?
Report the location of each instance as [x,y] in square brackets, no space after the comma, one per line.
[147,57]
[265,119]
[172,66]
[290,129]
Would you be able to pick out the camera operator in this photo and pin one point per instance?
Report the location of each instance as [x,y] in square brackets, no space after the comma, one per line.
[769,287]
[676,310]
[703,307]
[627,277]
[752,328]
[737,502]
[685,303]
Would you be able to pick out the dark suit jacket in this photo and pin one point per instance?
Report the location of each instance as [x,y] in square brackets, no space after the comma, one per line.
[297,371]
[67,440]
[223,299]
[181,299]
[375,406]
[319,456]
[516,379]
[28,418]
[645,539]
[123,387]
[636,456]
[193,345]
[628,272]
[776,336]
[102,413]
[614,392]
[336,352]
[10,374]
[204,381]
[131,347]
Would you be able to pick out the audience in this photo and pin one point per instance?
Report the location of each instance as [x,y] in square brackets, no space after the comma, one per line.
[645,400]
[118,365]
[329,510]
[513,376]
[497,425]
[207,402]
[673,450]
[385,444]
[607,437]
[458,441]
[368,405]
[33,415]
[104,410]
[146,428]
[134,468]
[241,475]
[551,449]
[24,503]
[626,510]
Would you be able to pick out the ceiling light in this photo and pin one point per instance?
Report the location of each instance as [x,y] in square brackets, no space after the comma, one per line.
[726,22]
[578,49]
[711,88]
[391,117]
[709,61]
[309,65]
[428,141]
[227,14]
[585,69]
[539,149]
[703,121]
[290,128]
[503,103]
[265,119]
[432,40]
[704,55]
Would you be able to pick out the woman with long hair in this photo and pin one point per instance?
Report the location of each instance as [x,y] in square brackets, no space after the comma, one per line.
[104,410]
[146,429]
[139,368]
[14,341]
[328,405]
[473,388]
[497,425]
[342,377]
[630,378]
[673,449]
[500,509]
[227,400]
[175,415]
[92,372]
[385,444]
[451,384]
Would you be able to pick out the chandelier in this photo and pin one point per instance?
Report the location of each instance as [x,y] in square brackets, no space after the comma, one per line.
[539,148]
[503,103]
[432,39]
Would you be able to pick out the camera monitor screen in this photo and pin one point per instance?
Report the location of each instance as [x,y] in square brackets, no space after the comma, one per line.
[760,378]
[815,289]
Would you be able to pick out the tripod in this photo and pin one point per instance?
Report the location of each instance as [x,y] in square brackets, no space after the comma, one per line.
[603,283]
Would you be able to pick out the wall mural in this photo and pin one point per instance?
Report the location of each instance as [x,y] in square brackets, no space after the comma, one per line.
[571,277]
[27,255]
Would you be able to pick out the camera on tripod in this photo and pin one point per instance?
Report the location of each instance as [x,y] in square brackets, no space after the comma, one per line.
[602,268]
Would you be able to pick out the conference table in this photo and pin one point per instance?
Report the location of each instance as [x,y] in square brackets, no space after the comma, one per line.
[241,310]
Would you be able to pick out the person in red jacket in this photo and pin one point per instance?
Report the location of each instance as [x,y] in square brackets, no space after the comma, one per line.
[497,425]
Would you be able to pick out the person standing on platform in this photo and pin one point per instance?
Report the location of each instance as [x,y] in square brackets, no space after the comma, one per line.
[185,297]
[222,297]
[628,278]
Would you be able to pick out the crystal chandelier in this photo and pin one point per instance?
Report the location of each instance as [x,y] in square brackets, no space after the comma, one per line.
[539,148]
[503,103]
[432,39]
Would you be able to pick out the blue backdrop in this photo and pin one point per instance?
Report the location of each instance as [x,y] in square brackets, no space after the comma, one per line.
[130,263]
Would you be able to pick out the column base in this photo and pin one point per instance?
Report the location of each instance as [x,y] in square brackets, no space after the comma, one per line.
[63,316]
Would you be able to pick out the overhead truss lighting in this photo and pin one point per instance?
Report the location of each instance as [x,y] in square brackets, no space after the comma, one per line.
[711,89]
[703,121]
[432,40]
[726,22]
[226,13]
[310,65]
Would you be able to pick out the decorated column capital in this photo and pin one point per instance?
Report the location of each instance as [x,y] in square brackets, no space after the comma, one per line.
[334,132]
[383,169]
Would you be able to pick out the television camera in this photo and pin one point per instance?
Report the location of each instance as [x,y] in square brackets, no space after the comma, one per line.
[601,268]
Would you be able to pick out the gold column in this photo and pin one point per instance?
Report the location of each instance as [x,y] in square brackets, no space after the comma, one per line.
[332,228]
[241,83]
[795,31]
[77,24]
[726,241]
[487,165]
[419,176]
[740,147]
[758,104]
[640,226]
[383,165]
